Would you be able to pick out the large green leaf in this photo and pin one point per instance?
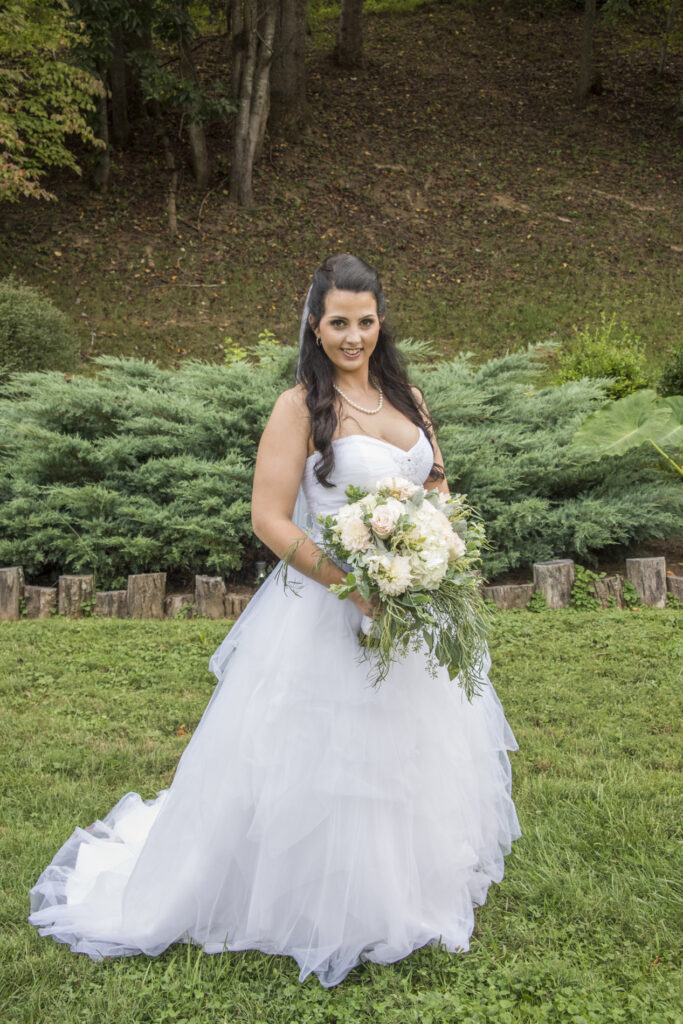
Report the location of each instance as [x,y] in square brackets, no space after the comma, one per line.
[629,422]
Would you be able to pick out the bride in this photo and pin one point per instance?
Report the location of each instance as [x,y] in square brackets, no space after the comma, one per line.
[311,814]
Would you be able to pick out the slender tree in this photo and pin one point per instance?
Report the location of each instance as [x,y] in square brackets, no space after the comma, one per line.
[587,63]
[288,71]
[253,32]
[349,49]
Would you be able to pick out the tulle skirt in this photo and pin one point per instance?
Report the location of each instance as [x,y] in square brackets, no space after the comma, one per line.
[311,814]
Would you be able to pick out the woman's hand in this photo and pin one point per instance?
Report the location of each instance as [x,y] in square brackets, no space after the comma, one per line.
[370,608]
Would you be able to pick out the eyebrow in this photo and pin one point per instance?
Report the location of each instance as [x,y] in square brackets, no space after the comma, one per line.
[342,316]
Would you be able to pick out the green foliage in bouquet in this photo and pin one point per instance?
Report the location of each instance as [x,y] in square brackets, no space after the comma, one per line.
[507,444]
[417,555]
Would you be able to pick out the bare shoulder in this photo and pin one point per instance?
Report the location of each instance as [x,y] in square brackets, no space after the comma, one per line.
[290,411]
[419,398]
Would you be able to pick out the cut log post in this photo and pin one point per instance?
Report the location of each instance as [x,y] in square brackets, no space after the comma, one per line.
[11,589]
[209,596]
[174,604]
[609,587]
[555,581]
[512,595]
[112,603]
[648,576]
[675,586]
[41,602]
[72,592]
[146,591]
[235,604]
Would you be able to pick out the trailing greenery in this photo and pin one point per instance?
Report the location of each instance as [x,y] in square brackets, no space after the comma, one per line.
[582,928]
[610,352]
[141,469]
[34,334]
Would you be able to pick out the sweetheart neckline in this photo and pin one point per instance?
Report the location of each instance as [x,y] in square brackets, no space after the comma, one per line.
[369,437]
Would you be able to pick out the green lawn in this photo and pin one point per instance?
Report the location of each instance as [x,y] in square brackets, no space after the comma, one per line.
[582,929]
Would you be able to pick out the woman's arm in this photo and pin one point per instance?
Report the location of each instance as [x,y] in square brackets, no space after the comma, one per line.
[431,485]
[280,462]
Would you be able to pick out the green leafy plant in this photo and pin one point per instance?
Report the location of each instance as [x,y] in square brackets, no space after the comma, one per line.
[609,350]
[630,596]
[631,422]
[672,601]
[671,379]
[537,603]
[583,593]
[34,334]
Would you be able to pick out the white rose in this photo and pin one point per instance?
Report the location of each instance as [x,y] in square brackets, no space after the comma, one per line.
[385,517]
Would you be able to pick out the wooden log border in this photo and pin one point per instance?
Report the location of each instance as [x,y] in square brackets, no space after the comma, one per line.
[146,597]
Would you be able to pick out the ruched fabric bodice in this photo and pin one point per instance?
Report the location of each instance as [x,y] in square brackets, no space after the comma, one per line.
[362,460]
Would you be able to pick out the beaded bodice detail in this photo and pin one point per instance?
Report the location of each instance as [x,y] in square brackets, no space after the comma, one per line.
[362,460]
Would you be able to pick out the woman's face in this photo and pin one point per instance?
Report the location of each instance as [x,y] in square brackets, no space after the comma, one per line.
[348,329]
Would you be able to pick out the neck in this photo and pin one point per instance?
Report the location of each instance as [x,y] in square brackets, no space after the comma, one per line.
[354,380]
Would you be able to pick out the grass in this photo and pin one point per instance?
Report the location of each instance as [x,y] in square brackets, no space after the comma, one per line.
[583,928]
[456,160]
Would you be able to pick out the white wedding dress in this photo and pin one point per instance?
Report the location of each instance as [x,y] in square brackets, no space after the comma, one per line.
[311,814]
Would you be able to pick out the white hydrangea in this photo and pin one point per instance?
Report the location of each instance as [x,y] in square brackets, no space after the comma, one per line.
[429,566]
[396,575]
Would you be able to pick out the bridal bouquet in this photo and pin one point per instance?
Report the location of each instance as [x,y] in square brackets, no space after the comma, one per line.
[418,551]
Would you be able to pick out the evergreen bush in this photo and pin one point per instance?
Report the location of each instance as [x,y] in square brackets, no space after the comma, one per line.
[141,469]
[607,352]
[505,443]
[671,381]
[34,334]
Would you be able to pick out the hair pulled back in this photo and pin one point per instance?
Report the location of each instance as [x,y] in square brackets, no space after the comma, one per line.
[316,371]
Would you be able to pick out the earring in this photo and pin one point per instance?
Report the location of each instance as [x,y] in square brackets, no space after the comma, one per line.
[318,342]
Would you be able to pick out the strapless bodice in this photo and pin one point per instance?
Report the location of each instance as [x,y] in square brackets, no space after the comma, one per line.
[363,460]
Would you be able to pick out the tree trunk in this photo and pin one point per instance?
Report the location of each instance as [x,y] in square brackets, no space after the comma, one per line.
[201,165]
[586,64]
[101,171]
[648,576]
[348,52]
[120,125]
[670,22]
[253,27]
[288,72]
[555,581]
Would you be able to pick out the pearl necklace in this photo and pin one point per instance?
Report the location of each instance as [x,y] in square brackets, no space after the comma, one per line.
[370,412]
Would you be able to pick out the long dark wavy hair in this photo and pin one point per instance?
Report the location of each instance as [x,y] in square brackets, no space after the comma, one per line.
[316,371]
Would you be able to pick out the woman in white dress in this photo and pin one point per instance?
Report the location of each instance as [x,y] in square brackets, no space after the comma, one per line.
[311,814]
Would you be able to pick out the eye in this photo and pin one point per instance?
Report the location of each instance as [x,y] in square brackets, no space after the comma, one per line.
[368,322]
[337,322]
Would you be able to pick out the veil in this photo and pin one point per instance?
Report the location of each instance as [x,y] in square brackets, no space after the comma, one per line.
[301,516]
